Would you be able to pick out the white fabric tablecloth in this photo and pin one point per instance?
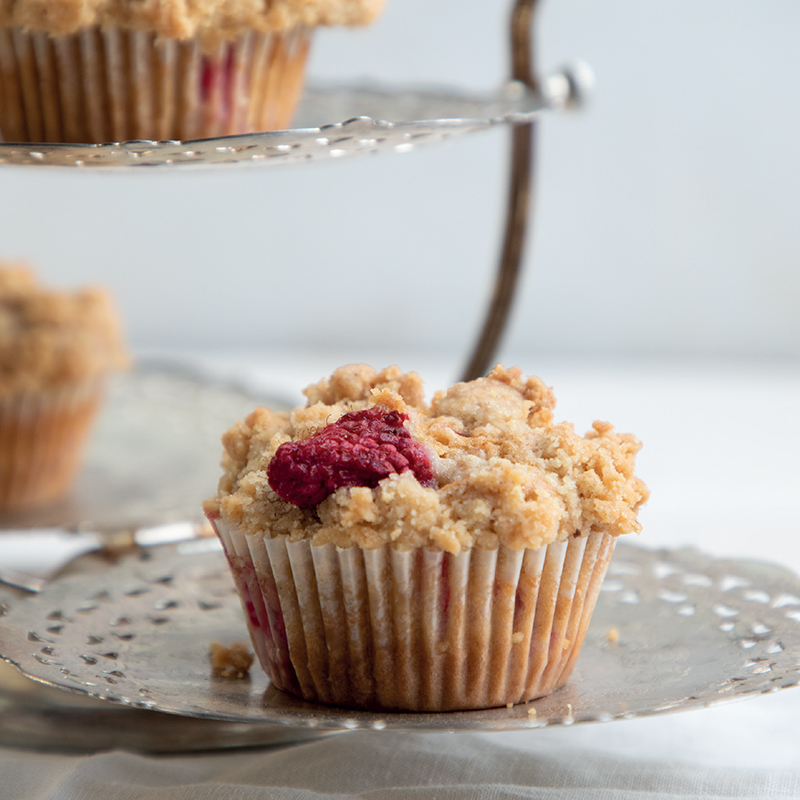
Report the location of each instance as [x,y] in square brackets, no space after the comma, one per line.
[722,458]
[538,764]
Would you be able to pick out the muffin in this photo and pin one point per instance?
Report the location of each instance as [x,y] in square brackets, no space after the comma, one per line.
[85,71]
[395,555]
[55,352]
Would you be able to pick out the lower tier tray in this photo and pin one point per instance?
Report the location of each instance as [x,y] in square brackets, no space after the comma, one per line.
[672,630]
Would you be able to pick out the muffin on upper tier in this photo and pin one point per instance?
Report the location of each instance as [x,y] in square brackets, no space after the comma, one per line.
[87,71]
[396,555]
[56,349]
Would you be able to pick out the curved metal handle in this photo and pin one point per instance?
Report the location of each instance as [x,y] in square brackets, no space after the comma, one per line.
[520,197]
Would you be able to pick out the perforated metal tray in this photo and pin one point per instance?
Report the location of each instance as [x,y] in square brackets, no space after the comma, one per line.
[673,630]
[332,122]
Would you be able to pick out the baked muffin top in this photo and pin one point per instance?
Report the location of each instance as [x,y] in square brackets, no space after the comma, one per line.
[210,20]
[501,470]
[49,338]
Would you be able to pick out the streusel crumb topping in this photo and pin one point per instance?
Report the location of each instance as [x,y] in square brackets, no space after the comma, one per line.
[504,471]
[51,338]
[184,19]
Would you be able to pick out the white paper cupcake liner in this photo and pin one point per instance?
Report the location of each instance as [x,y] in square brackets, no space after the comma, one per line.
[42,435]
[114,85]
[420,630]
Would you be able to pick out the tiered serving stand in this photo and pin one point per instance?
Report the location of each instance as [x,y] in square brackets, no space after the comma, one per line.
[126,629]
[376,120]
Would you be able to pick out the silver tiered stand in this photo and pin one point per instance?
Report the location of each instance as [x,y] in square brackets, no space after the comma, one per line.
[672,630]
[419,117]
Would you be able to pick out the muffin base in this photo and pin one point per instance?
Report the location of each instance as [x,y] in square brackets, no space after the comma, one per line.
[416,631]
[116,85]
[42,436]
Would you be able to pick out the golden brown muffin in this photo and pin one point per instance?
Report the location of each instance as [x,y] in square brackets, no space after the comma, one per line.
[56,349]
[87,71]
[394,554]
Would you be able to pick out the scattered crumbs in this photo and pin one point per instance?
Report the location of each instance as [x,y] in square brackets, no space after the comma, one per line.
[566,644]
[230,662]
[569,709]
[517,637]
[509,705]
[532,712]
[613,636]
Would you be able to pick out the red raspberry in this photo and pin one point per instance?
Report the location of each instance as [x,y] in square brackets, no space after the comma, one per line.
[359,449]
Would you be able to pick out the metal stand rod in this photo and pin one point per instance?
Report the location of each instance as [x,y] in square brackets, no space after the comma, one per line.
[518,210]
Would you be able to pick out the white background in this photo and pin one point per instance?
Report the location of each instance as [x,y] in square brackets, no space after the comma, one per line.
[668,210]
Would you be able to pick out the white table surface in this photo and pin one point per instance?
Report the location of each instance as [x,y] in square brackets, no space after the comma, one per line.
[722,459]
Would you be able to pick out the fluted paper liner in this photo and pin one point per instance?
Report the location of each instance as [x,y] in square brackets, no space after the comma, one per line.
[42,436]
[115,85]
[416,631]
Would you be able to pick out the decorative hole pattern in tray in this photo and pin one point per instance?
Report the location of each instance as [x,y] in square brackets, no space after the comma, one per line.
[672,630]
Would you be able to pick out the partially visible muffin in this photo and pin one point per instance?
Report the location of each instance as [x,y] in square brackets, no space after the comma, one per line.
[398,555]
[88,71]
[56,349]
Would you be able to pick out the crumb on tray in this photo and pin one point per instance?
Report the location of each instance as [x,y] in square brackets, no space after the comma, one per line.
[230,662]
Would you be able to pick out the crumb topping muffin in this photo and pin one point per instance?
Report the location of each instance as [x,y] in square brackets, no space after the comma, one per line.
[92,71]
[212,21]
[391,554]
[56,349]
[505,473]
[50,339]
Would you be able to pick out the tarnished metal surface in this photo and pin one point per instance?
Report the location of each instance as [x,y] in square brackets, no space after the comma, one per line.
[37,717]
[673,630]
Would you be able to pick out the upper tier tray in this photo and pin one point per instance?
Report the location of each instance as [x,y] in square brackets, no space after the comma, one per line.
[376,119]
